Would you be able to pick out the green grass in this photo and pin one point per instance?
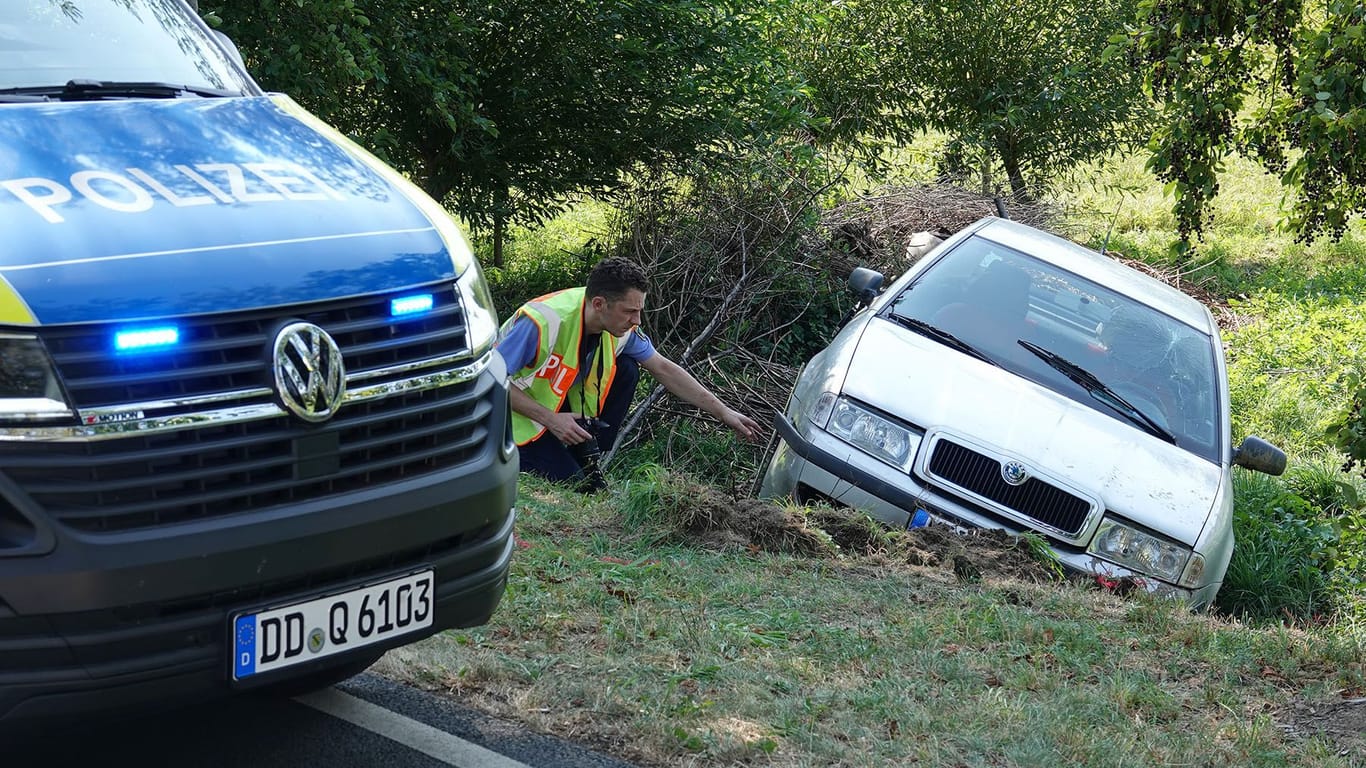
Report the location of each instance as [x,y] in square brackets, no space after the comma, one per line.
[670,654]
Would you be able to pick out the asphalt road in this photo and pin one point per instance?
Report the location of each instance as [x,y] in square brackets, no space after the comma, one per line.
[367,721]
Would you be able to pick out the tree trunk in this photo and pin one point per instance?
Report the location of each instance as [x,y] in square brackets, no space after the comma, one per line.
[500,218]
[498,224]
[1011,161]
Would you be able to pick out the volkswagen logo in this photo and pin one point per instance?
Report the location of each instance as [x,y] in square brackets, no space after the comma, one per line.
[1014,473]
[309,374]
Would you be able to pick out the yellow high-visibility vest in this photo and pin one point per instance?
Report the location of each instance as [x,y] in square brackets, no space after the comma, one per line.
[553,373]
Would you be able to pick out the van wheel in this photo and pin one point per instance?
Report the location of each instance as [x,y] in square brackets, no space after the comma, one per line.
[323,678]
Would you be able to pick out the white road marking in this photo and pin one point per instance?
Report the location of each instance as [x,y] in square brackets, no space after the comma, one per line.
[433,742]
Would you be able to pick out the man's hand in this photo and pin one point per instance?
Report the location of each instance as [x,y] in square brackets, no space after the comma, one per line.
[566,427]
[741,424]
[562,425]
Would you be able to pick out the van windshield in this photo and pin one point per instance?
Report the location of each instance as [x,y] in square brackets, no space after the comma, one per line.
[45,44]
[1089,343]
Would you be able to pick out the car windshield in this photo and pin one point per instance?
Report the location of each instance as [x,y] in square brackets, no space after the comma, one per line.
[48,43]
[1091,344]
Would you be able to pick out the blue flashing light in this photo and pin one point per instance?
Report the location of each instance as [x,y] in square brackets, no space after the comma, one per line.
[142,339]
[411,305]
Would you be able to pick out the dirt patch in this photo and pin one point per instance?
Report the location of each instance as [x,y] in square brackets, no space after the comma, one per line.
[713,519]
[717,520]
[1340,721]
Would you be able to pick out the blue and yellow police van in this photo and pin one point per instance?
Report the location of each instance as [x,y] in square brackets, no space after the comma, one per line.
[252,431]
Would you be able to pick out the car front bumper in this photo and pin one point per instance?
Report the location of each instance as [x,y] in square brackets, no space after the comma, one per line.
[821,466]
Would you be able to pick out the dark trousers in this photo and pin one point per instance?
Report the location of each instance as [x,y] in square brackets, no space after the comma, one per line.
[548,457]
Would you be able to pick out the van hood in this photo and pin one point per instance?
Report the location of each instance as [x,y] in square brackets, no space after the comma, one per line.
[1133,473]
[120,210]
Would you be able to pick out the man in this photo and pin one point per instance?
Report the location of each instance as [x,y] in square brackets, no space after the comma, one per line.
[576,354]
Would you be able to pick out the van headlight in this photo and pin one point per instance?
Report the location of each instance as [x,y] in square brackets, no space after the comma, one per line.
[1139,551]
[29,389]
[481,319]
[870,432]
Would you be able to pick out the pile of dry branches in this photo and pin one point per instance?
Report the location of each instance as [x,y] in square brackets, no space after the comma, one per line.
[874,231]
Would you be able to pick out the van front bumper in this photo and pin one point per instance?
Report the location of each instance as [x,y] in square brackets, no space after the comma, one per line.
[819,466]
[153,631]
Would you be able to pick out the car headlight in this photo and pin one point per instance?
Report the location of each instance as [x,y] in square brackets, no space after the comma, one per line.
[29,389]
[1139,551]
[869,432]
[481,319]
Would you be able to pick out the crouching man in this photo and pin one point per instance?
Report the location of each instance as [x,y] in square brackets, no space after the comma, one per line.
[574,358]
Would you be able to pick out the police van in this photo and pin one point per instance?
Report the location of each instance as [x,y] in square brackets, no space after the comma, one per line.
[252,431]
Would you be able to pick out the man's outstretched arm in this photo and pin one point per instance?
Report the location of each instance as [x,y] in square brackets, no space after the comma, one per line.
[685,387]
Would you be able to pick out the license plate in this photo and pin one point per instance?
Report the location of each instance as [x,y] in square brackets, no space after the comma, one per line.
[283,636]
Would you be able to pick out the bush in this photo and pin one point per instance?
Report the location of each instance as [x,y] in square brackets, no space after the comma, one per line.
[1282,557]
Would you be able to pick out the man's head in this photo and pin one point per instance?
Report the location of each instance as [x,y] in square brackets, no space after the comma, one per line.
[615,296]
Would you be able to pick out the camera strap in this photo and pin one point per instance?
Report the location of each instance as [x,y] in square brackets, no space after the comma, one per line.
[585,352]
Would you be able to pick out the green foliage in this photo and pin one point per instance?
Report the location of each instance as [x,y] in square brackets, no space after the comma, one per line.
[526,278]
[1288,370]
[1039,549]
[849,57]
[1348,432]
[641,496]
[1266,78]
[504,109]
[1025,83]
[1283,555]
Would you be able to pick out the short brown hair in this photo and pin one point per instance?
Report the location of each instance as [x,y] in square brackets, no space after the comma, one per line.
[612,277]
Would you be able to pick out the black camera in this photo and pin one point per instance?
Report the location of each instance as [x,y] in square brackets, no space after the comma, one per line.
[589,456]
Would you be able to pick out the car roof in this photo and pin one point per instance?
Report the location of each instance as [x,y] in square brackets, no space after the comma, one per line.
[1102,269]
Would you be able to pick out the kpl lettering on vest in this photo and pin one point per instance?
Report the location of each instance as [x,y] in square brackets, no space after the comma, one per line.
[559,375]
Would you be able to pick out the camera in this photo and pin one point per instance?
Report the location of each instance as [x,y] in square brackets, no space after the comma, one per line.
[589,456]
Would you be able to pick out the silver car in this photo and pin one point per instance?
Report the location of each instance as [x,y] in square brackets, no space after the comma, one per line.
[1012,379]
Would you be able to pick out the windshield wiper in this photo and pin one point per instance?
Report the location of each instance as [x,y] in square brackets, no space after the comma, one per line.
[1100,390]
[942,336]
[82,89]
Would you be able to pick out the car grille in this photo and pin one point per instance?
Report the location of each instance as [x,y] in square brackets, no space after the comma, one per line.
[1034,499]
[235,466]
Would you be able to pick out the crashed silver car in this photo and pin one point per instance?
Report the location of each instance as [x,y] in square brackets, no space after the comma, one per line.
[1012,379]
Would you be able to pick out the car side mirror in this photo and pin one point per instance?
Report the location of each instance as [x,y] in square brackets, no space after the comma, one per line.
[865,283]
[1260,456]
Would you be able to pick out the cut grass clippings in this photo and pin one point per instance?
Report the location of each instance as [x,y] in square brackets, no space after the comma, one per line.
[631,624]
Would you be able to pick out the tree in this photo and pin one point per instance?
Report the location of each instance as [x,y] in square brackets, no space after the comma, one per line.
[503,110]
[1279,81]
[1024,83]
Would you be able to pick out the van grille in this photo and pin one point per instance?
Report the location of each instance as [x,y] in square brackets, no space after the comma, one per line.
[226,353]
[1035,499]
[233,467]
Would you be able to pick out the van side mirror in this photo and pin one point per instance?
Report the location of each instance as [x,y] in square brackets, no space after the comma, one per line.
[865,283]
[1260,456]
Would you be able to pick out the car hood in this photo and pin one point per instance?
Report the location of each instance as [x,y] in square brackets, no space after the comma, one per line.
[1133,473]
[118,210]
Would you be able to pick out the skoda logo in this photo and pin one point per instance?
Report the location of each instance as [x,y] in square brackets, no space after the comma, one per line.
[309,374]
[1014,473]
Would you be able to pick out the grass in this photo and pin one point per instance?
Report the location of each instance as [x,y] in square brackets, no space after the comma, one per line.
[670,654]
